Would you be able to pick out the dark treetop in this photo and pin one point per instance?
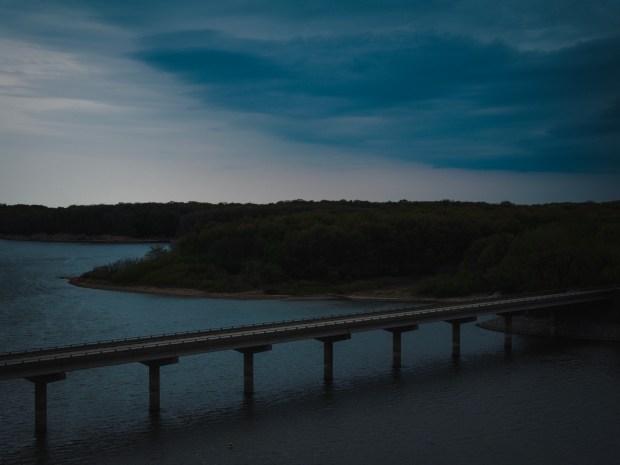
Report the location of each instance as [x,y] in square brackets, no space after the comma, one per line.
[429,248]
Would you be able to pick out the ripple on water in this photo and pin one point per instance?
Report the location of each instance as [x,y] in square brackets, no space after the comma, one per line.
[547,402]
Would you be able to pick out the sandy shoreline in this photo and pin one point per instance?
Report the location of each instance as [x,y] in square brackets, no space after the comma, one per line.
[172,292]
[248,295]
[522,324]
[385,295]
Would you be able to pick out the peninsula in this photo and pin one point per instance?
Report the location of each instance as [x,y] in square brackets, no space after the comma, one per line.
[344,248]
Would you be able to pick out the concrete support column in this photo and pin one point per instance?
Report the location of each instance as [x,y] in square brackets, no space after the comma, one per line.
[396,349]
[248,366]
[154,396]
[248,372]
[456,340]
[554,323]
[507,332]
[328,354]
[40,408]
[507,316]
[154,381]
[40,399]
[456,334]
[397,343]
[328,360]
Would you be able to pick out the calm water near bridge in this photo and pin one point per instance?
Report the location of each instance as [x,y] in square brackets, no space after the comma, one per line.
[548,402]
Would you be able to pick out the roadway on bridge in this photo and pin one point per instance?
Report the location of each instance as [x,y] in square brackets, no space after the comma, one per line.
[90,355]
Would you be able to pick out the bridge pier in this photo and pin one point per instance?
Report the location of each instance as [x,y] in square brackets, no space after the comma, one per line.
[154,383]
[508,328]
[554,323]
[40,399]
[328,354]
[248,366]
[507,332]
[456,334]
[396,343]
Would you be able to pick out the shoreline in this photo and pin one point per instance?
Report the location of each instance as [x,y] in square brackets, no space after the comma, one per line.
[578,329]
[83,238]
[247,295]
[169,291]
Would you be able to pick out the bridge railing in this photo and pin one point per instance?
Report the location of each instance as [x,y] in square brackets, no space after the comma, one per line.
[180,334]
[202,334]
[252,331]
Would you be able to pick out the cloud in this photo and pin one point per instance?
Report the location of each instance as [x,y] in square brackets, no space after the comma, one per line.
[397,92]
[362,72]
[602,123]
[208,66]
[406,88]
[525,24]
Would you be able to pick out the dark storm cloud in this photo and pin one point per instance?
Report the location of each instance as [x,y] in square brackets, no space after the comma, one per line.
[470,86]
[359,72]
[548,19]
[518,85]
[602,123]
[205,66]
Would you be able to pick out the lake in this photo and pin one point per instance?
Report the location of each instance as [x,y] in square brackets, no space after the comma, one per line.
[548,401]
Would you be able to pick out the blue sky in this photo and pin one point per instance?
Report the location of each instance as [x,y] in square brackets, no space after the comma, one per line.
[246,101]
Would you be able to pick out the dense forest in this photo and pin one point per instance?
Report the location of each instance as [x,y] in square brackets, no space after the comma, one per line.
[297,247]
[126,220]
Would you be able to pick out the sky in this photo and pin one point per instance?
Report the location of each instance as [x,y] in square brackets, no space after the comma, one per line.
[107,101]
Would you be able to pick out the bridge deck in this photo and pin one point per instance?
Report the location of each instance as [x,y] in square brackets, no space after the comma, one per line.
[48,361]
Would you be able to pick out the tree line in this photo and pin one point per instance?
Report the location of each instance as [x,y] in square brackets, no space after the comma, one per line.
[432,248]
[129,220]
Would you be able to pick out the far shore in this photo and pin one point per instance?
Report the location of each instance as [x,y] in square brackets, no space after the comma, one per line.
[100,239]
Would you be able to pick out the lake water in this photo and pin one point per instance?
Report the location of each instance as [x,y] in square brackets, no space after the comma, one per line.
[548,402]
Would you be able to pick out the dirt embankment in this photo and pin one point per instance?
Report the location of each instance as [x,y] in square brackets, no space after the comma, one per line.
[257,294]
[183,292]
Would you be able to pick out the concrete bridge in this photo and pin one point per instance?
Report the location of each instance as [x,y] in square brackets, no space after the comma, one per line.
[46,365]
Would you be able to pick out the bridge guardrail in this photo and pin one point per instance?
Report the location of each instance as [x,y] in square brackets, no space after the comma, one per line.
[206,336]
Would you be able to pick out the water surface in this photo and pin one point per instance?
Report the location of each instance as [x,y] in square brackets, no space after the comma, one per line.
[547,402]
